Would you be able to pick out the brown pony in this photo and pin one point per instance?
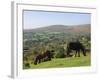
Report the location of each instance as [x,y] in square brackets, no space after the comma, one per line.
[46,56]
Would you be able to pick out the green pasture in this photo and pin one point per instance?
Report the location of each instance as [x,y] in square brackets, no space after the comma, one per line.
[61,62]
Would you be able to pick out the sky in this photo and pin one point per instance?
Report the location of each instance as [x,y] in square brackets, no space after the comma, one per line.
[37,19]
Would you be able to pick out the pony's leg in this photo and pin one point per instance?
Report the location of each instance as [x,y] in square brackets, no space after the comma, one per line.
[39,60]
[78,53]
[84,53]
[35,62]
[68,52]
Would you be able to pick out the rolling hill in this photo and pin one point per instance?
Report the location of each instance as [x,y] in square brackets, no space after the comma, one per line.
[85,28]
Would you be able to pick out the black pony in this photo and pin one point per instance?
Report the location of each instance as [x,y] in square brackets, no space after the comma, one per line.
[46,56]
[77,47]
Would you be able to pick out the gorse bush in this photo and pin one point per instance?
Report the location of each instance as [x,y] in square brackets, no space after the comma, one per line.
[59,53]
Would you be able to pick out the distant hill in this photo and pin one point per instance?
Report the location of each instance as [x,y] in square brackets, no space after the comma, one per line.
[62,28]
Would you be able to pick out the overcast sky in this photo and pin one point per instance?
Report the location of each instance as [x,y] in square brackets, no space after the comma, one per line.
[36,19]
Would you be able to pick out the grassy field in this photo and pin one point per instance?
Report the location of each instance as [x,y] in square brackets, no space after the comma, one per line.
[63,62]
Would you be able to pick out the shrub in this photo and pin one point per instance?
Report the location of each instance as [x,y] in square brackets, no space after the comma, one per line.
[59,53]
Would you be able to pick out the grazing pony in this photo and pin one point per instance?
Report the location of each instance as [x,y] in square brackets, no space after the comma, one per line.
[76,46]
[46,56]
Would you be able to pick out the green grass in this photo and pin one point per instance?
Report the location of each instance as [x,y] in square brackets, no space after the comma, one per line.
[63,62]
